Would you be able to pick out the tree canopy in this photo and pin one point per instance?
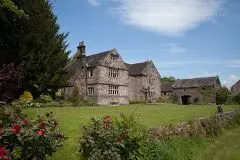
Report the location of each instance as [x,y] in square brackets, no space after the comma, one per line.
[34,41]
[168,79]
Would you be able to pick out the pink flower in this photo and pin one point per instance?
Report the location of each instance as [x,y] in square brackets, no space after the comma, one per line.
[41,132]
[16,128]
[4,154]
[25,121]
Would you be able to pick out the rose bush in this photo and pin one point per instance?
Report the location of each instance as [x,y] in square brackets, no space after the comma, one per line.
[107,139]
[27,139]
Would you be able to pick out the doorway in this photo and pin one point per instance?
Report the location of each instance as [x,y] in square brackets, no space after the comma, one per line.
[186,100]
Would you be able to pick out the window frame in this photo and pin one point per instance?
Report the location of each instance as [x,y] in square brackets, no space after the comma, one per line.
[113,72]
[90,91]
[113,90]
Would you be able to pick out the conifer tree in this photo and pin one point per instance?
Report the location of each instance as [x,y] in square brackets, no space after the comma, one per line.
[37,42]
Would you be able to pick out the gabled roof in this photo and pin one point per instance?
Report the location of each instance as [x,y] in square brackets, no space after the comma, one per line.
[92,60]
[196,82]
[136,69]
[235,85]
[167,87]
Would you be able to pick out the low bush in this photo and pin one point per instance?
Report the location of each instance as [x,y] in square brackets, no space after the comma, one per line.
[27,139]
[106,139]
[137,102]
[46,98]
[26,97]
[174,99]
[211,126]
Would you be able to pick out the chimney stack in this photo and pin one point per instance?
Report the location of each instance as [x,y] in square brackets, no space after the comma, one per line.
[81,49]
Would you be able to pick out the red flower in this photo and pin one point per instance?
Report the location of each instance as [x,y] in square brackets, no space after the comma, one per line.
[42,124]
[107,118]
[16,128]
[4,154]
[25,121]
[41,132]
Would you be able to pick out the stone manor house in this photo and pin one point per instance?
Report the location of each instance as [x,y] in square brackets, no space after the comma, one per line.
[107,80]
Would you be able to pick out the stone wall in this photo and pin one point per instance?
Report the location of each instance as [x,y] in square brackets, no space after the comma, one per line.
[139,85]
[197,95]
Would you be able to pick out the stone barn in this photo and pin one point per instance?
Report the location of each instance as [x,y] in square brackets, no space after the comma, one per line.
[167,89]
[196,90]
[235,89]
[106,79]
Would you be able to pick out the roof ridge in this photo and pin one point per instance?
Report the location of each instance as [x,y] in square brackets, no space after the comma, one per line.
[104,52]
[138,63]
[198,78]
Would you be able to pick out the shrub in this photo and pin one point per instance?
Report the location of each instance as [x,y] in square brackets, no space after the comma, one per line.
[23,138]
[11,76]
[222,95]
[46,98]
[174,98]
[137,102]
[26,97]
[105,139]
[236,98]
[210,127]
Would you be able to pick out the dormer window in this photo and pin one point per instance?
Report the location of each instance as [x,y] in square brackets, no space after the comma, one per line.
[90,73]
[114,57]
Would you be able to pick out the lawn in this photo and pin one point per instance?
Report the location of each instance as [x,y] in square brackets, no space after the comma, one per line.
[72,118]
[225,147]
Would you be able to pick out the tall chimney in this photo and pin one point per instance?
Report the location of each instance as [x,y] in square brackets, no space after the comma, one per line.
[81,49]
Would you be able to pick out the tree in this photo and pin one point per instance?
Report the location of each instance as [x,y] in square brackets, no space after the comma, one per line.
[36,41]
[10,82]
[8,4]
[236,98]
[222,95]
[168,79]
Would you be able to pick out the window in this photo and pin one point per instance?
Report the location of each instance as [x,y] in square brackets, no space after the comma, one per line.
[90,73]
[114,103]
[164,93]
[90,91]
[113,73]
[113,57]
[113,90]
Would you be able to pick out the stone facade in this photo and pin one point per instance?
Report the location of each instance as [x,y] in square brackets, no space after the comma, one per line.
[235,89]
[145,86]
[106,79]
[196,90]
[166,89]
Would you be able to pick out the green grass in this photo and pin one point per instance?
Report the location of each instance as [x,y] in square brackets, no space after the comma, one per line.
[73,118]
[225,147]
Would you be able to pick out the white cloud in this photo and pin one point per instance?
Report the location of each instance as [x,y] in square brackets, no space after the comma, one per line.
[232,79]
[168,17]
[94,2]
[235,64]
[173,48]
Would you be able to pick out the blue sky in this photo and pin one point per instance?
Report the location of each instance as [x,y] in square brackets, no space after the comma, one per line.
[184,38]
